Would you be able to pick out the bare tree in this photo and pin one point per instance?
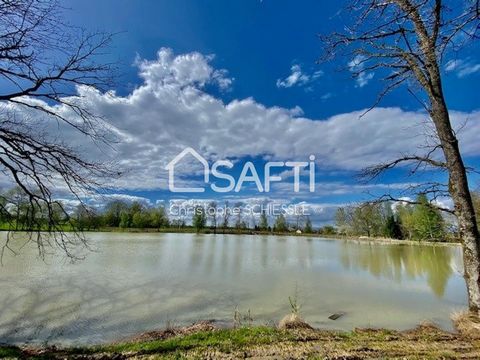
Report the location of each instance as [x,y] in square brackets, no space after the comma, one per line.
[45,67]
[239,224]
[408,40]
[212,215]
[226,216]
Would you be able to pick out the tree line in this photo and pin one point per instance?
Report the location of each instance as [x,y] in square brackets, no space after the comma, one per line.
[16,213]
[207,217]
[398,220]
[419,221]
[122,214]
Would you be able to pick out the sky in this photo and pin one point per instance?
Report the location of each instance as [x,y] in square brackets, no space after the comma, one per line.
[240,81]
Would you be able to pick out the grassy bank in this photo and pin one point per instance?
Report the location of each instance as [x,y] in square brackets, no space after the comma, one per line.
[200,342]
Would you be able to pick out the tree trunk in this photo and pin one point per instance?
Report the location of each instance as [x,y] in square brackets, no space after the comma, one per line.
[460,192]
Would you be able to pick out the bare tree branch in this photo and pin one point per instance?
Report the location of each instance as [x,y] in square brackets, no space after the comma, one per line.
[389,198]
[45,67]
[409,39]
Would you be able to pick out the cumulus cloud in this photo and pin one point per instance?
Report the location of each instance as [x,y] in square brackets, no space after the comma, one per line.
[298,78]
[181,70]
[462,68]
[101,200]
[171,110]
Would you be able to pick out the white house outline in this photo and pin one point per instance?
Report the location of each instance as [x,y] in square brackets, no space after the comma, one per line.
[171,170]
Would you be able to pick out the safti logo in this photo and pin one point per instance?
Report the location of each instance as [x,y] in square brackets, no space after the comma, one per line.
[249,174]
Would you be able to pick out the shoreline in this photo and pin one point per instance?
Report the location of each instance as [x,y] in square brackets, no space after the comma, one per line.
[359,239]
[206,340]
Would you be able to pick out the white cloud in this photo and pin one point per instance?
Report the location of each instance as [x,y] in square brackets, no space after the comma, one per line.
[317,74]
[298,78]
[326,96]
[101,200]
[462,68]
[363,78]
[186,69]
[171,110]
[357,67]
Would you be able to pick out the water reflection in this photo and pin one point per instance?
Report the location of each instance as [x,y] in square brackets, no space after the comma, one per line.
[138,282]
[399,261]
[209,254]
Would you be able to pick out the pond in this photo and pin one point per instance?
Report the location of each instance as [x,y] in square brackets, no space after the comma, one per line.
[132,283]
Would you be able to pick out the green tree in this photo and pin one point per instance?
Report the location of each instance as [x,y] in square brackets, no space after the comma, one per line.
[308,226]
[125,219]
[343,220]
[199,218]
[136,207]
[86,218]
[21,208]
[140,219]
[367,220]
[113,211]
[406,220]
[263,225]
[280,224]
[429,223]
[158,218]
[4,213]
[392,228]
[328,230]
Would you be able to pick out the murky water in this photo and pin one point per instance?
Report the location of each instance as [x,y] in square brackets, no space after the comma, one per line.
[138,282]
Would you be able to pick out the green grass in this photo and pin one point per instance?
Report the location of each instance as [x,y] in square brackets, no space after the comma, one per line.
[223,340]
[10,352]
[421,343]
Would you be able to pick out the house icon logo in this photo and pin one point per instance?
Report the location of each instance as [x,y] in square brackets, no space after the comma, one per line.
[248,174]
[171,171]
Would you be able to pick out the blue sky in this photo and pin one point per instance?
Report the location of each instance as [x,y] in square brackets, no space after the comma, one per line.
[266,51]
[258,42]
